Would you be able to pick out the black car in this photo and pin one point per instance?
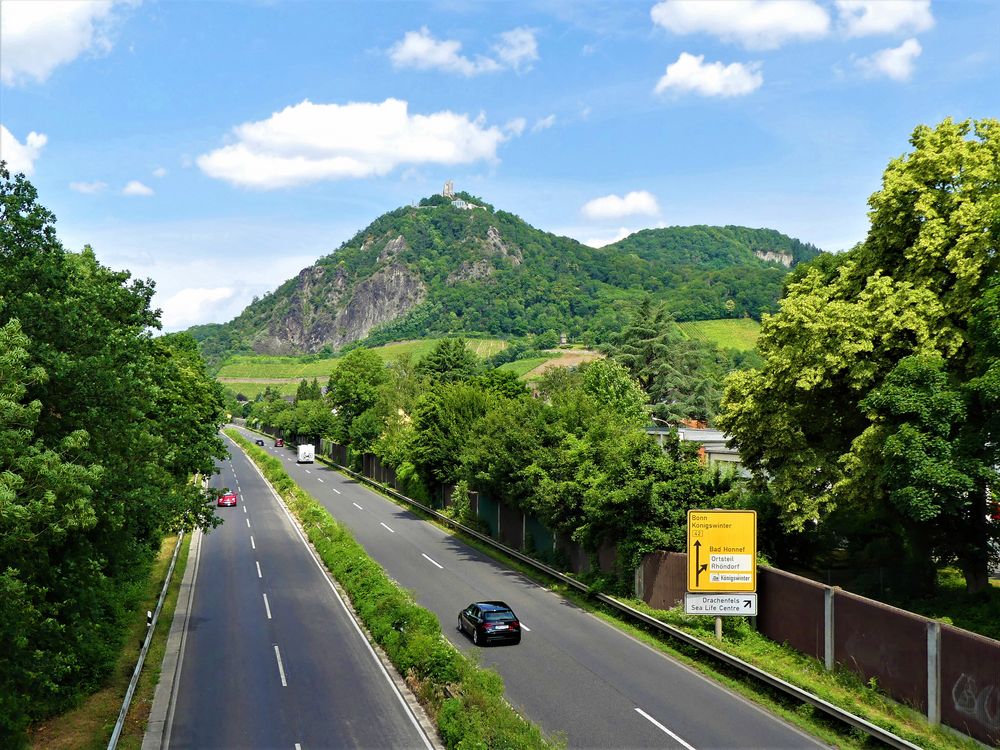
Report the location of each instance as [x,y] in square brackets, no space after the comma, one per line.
[490,621]
[259,441]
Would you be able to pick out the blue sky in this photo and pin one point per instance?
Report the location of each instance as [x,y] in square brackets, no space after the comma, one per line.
[220,147]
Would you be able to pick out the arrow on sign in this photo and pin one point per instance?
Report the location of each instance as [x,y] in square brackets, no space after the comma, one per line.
[747,603]
[698,567]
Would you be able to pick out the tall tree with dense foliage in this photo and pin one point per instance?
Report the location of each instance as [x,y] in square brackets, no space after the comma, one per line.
[101,429]
[877,397]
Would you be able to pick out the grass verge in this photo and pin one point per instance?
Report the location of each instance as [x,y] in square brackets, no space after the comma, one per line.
[89,725]
[464,700]
[841,687]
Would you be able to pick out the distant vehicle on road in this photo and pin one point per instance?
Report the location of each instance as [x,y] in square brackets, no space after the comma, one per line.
[490,621]
[307,454]
[229,499]
[279,443]
[259,441]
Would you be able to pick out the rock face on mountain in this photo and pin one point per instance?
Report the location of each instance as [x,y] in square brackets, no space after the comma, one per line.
[435,269]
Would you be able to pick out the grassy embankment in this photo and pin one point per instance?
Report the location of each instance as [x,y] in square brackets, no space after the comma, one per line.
[464,700]
[89,725]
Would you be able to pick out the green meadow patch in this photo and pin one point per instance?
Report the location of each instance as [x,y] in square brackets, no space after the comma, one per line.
[740,334]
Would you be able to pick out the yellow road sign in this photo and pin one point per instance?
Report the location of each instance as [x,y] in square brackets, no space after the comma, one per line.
[722,550]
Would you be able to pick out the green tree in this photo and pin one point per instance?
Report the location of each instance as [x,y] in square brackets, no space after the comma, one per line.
[355,387]
[875,398]
[449,361]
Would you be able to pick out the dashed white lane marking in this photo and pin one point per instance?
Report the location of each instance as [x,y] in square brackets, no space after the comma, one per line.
[319,479]
[248,523]
[267,607]
[429,560]
[659,726]
[357,506]
[244,509]
[308,472]
[335,490]
[386,527]
[252,545]
[281,668]
[298,746]
[525,628]
[258,568]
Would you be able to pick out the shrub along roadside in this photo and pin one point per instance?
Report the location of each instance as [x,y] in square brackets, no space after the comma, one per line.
[465,700]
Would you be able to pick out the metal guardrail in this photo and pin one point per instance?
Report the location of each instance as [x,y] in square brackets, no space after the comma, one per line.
[150,627]
[883,735]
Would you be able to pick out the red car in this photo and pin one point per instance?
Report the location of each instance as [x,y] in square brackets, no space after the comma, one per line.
[279,443]
[229,499]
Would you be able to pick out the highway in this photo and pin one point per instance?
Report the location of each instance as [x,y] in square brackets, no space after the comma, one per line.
[572,672]
[271,658]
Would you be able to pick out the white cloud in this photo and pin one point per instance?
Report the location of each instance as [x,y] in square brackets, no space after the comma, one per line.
[309,142]
[544,123]
[516,126]
[756,24]
[88,188]
[37,37]
[865,17]
[160,172]
[193,305]
[637,202]
[691,73]
[137,188]
[603,240]
[20,157]
[515,50]
[896,63]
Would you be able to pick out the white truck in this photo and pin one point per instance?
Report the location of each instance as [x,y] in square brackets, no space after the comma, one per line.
[307,454]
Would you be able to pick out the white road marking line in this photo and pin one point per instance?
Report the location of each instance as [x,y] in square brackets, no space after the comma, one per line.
[525,628]
[258,568]
[308,472]
[335,490]
[248,523]
[298,746]
[244,509]
[319,479]
[431,561]
[658,725]
[281,669]
[357,628]
[267,607]
[357,506]
[252,545]
[390,530]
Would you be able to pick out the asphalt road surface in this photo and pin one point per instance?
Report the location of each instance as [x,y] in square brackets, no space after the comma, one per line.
[271,657]
[572,673]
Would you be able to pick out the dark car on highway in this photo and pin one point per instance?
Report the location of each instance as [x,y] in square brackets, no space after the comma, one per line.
[259,441]
[490,621]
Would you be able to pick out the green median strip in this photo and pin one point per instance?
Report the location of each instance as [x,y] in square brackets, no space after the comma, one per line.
[465,700]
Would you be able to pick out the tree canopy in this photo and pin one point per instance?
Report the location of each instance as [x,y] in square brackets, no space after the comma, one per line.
[877,397]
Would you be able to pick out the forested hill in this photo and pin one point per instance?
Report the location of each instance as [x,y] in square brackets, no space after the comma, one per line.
[435,269]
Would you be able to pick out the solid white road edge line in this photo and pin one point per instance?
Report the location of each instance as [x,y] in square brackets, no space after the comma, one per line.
[386,527]
[257,562]
[252,545]
[267,607]
[431,561]
[357,506]
[350,615]
[281,669]
[659,726]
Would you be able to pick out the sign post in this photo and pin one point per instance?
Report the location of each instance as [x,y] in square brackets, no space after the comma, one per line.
[722,561]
